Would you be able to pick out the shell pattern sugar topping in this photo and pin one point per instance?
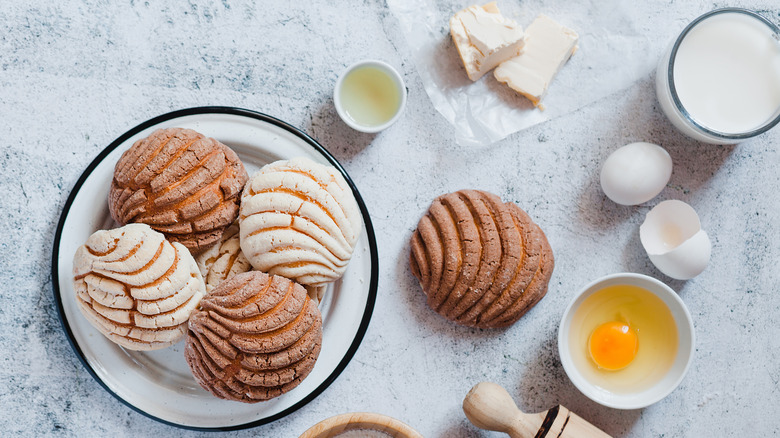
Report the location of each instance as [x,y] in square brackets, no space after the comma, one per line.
[135,287]
[254,338]
[299,219]
[481,262]
[223,260]
[181,183]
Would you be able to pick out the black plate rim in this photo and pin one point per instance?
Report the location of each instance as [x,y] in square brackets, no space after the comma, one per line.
[372,288]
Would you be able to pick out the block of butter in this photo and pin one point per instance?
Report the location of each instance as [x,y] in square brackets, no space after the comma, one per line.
[548,46]
[484,38]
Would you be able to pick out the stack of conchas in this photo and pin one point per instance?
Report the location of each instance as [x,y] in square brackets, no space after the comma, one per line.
[254,337]
[481,262]
[180,183]
[135,287]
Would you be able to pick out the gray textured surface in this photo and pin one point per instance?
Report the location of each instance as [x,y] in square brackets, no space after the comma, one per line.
[75,75]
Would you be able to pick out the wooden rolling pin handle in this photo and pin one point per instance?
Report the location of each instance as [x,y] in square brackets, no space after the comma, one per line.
[488,406]
[563,423]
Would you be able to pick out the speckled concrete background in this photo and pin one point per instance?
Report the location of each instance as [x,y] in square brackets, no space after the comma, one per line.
[76,74]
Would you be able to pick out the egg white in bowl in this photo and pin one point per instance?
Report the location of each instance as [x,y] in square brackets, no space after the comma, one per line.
[641,363]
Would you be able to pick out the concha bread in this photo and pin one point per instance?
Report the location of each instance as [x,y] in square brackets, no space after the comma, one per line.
[254,337]
[223,260]
[180,183]
[135,287]
[299,220]
[481,262]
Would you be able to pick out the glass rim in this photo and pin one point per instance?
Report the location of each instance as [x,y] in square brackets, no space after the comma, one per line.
[670,76]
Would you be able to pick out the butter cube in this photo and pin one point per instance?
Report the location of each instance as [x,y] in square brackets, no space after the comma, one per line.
[548,45]
[484,38]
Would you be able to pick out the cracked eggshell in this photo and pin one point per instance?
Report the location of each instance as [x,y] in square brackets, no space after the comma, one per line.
[636,173]
[673,239]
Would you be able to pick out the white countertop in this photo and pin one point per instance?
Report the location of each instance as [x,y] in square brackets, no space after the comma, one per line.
[74,75]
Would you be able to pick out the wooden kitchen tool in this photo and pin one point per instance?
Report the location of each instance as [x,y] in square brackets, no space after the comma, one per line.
[488,406]
[367,422]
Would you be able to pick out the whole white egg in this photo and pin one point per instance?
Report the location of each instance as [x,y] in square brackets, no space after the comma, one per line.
[636,173]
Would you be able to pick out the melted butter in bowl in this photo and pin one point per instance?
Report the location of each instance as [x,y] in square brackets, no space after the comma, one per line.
[370,96]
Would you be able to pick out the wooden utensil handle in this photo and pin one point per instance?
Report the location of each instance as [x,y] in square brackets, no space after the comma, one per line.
[560,422]
[489,406]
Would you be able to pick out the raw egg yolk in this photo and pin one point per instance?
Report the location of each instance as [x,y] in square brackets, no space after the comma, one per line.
[613,345]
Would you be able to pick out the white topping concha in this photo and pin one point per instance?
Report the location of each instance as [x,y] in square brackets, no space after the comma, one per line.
[135,287]
[299,219]
[223,260]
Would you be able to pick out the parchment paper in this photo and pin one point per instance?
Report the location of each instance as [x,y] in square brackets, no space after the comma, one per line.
[616,48]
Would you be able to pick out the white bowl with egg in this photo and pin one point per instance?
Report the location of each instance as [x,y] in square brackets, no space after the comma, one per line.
[655,313]
[370,96]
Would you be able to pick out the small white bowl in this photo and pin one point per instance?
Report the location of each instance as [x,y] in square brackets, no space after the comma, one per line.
[397,80]
[670,381]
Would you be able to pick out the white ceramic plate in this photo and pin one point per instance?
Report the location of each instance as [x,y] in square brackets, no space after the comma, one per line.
[158,383]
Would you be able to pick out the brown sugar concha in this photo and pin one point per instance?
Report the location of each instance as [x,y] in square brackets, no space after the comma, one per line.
[481,262]
[180,183]
[135,287]
[223,260]
[299,219]
[254,337]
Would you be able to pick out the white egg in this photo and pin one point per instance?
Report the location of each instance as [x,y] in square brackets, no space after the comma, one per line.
[673,239]
[636,173]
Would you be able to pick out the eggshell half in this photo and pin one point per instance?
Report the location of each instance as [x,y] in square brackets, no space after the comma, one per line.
[673,239]
[636,173]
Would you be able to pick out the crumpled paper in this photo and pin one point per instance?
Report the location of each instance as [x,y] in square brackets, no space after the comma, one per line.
[616,48]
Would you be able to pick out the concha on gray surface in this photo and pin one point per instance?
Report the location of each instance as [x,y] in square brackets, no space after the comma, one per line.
[254,337]
[180,183]
[299,219]
[481,262]
[135,287]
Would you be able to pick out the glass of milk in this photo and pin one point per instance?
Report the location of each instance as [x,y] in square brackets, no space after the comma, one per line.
[719,82]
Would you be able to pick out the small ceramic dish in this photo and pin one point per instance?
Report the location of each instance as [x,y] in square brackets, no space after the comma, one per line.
[388,79]
[667,381]
[356,422]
